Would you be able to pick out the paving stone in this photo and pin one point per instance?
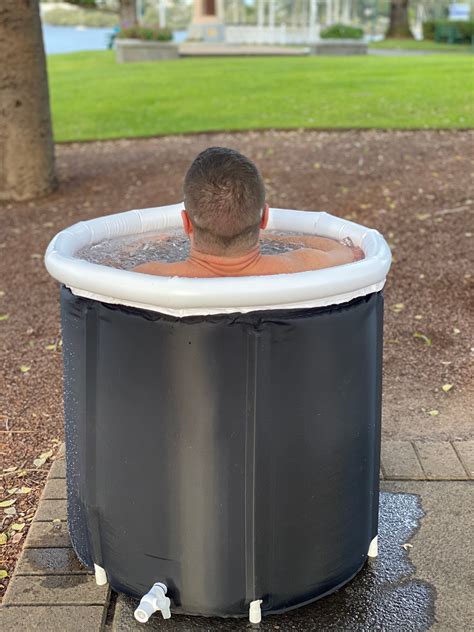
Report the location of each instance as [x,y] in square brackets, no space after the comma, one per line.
[76,590]
[440,461]
[400,462]
[442,551]
[48,618]
[52,561]
[51,510]
[465,450]
[48,535]
[55,489]
[58,468]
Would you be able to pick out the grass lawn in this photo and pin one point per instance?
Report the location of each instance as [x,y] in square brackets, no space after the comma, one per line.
[396,44]
[93,97]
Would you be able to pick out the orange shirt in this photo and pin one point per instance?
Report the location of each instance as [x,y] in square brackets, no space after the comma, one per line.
[253,263]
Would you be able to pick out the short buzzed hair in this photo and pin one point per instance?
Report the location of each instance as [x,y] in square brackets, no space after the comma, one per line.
[224,196]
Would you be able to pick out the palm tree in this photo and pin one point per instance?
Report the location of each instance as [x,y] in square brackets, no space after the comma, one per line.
[26,141]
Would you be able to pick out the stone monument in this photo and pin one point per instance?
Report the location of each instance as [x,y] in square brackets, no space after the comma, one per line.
[208,21]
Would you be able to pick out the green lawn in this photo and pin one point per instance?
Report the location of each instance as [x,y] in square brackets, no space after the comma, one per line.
[428,45]
[93,97]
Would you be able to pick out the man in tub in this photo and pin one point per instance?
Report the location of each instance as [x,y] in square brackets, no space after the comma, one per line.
[225,209]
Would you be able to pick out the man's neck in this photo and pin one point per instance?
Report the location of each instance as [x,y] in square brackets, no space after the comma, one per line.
[224,265]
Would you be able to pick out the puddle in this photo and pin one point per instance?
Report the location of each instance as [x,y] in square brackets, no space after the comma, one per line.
[383,596]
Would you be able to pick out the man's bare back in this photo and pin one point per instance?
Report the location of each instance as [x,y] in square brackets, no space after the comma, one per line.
[316,253]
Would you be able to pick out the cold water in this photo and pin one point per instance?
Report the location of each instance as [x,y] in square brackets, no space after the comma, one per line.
[166,246]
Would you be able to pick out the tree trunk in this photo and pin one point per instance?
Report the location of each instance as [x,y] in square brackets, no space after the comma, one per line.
[399,27]
[128,13]
[26,140]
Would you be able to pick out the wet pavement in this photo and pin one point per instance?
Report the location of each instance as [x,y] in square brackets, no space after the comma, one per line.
[388,594]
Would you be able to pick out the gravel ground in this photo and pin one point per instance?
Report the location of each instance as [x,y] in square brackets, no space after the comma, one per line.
[415,187]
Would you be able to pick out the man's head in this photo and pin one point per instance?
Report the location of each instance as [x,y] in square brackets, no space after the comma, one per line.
[224,197]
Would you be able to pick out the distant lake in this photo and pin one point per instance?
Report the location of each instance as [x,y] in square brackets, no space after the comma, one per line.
[70,39]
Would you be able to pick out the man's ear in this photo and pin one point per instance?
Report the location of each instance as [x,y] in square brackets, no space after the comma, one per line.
[265,217]
[188,227]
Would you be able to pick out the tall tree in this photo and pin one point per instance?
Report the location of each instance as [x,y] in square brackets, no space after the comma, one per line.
[26,141]
[128,13]
[399,26]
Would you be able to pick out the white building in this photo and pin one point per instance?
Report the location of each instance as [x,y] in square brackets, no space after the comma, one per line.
[225,21]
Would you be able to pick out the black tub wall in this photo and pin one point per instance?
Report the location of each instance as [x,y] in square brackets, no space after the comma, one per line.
[233,457]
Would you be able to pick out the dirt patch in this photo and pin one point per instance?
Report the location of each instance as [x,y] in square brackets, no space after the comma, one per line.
[415,187]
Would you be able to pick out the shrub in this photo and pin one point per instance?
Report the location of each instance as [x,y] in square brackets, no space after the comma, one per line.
[454,32]
[429,29]
[342,31]
[149,33]
[84,3]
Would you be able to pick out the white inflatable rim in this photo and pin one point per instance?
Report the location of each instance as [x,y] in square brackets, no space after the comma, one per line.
[180,296]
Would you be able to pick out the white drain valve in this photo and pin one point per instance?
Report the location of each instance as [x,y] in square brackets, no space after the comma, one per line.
[154,600]
[255,611]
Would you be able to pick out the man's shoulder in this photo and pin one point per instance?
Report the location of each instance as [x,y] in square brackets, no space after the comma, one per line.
[158,268]
[299,260]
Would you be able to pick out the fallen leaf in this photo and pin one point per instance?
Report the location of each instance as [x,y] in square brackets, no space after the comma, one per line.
[10,469]
[29,331]
[421,336]
[433,413]
[35,255]
[422,216]
[51,347]
[3,539]
[10,511]
[12,490]
[17,526]
[17,537]
[25,368]
[398,307]
[3,573]
[39,462]
[8,503]
[2,293]
[447,387]
[407,546]
[456,331]
[24,490]
[418,316]
[46,455]
[4,316]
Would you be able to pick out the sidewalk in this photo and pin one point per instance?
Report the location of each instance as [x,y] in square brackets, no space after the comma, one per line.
[420,580]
